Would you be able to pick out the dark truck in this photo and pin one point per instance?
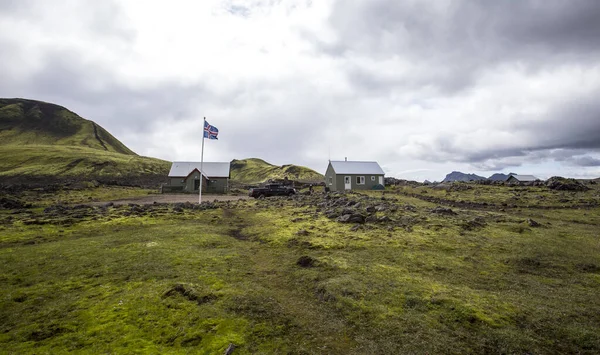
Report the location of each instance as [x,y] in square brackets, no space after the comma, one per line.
[272,190]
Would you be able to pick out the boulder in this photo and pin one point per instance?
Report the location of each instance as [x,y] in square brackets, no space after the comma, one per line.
[384,219]
[306,261]
[352,218]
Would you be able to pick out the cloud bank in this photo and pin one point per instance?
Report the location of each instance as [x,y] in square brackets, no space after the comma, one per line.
[422,87]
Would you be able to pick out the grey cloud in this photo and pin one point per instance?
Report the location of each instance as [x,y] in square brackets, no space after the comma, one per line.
[463,29]
[569,130]
[585,161]
[572,125]
[94,92]
[103,20]
[256,123]
[12,7]
[237,10]
[456,40]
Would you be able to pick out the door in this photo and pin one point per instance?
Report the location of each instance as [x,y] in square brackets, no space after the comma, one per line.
[196,184]
[347,183]
[381,180]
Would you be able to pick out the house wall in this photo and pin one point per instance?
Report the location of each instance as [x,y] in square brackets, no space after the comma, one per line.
[189,183]
[331,174]
[177,181]
[339,185]
[511,179]
[215,185]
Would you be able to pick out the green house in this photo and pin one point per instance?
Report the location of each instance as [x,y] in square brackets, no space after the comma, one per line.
[185,177]
[353,175]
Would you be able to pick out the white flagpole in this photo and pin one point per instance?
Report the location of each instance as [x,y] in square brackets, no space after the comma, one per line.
[201,164]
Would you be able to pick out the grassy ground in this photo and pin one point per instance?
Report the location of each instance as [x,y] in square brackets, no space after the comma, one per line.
[278,276]
[35,161]
[516,196]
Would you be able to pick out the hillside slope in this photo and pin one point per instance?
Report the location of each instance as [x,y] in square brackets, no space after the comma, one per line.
[253,170]
[41,141]
[26,122]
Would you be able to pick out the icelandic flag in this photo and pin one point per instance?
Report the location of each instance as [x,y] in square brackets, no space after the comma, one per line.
[210,132]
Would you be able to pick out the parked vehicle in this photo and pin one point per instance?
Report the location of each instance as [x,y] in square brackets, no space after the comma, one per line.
[272,190]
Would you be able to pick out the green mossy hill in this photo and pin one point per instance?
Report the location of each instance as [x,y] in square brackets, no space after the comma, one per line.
[27,122]
[44,142]
[253,170]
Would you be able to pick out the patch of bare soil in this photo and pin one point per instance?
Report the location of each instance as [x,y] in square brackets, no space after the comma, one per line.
[172,198]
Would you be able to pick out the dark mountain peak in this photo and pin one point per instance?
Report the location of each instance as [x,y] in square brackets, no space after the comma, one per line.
[460,176]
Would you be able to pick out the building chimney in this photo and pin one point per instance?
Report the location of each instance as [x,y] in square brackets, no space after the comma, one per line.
[345,158]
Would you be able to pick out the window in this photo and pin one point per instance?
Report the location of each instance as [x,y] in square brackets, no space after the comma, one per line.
[330,180]
[360,180]
[372,178]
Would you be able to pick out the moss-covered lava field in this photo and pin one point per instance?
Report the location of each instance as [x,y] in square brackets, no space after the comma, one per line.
[407,270]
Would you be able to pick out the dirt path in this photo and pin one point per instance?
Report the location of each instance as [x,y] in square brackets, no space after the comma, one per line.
[172,198]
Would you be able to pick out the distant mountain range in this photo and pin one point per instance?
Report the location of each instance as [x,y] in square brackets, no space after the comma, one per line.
[460,176]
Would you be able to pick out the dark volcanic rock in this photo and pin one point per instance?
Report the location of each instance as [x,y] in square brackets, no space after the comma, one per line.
[443,210]
[564,184]
[384,219]
[477,222]
[306,261]
[12,204]
[352,218]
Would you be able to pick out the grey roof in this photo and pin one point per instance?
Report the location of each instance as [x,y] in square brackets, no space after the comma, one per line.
[211,169]
[524,178]
[357,167]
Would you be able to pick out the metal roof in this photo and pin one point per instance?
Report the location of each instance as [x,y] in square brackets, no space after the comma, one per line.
[524,178]
[356,167]
[211,169]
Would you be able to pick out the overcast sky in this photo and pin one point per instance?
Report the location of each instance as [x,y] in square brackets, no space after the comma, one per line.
[422,87]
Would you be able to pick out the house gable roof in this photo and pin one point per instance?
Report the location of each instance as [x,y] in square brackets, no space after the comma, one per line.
[356,167]
[193,171]
[211,169]
[525,178]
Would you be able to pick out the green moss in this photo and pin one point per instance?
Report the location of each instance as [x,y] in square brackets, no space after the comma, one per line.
[39,161]
[114,281]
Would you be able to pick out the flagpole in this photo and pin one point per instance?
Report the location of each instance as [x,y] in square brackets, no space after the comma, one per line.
[201,164]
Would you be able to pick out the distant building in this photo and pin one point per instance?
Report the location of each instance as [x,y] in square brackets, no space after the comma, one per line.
[185,177]
[353,175]
[518,179]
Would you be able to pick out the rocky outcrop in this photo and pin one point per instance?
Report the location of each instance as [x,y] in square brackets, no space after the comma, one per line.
[565,184]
